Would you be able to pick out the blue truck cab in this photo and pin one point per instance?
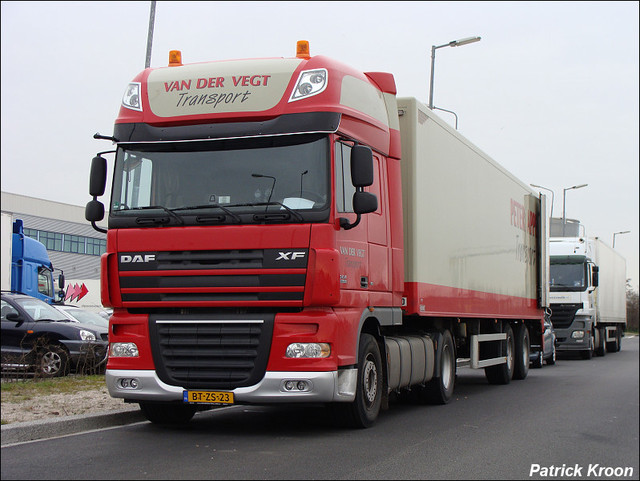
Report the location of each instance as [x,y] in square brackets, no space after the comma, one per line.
[31,268]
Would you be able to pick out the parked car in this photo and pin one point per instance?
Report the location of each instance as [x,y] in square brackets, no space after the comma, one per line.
[83,316]
[40,339]
[548,351]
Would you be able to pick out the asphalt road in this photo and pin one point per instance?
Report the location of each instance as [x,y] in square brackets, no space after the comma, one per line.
[580,415]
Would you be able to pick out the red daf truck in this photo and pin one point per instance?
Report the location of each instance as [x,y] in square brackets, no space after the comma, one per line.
[286,230]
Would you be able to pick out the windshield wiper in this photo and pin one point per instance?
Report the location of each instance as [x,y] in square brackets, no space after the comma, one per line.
[205,206]
[273,216]
[147,207]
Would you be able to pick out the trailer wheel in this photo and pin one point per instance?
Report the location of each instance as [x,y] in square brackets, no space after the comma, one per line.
[168,413]
[523,348]
[440,389]
[502,373]
[619,333]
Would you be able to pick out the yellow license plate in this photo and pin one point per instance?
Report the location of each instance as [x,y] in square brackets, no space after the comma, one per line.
[207,397]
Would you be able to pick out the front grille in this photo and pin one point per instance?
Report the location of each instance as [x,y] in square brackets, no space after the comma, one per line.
[562,315]
[213,278]
[211,353]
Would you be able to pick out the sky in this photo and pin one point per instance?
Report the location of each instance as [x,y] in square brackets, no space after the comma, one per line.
[550,92]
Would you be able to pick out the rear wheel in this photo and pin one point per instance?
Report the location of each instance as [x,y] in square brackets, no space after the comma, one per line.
[502,373]
[168,413]
[523,348]
[363,411]
[440,389]
[537,363]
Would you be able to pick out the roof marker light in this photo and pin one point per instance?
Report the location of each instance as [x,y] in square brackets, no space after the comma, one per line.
[175,58]
[302,49]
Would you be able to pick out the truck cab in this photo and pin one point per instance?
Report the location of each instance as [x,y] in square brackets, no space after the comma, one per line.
[573,280]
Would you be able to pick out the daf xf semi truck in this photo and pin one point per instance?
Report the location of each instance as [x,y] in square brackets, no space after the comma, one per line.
[287,230]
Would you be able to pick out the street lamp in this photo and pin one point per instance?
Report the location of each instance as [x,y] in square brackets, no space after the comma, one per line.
[552,196]
[616,233]
[564,195]
[453,43]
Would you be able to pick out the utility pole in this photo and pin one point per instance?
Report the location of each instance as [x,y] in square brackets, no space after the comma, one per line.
[152,18]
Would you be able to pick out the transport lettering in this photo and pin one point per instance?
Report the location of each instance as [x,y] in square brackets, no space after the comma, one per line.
[211,99]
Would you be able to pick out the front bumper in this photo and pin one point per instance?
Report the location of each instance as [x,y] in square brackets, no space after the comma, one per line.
[566,343]
[333,386]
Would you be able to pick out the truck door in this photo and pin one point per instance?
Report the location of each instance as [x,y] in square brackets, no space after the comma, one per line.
[377,234]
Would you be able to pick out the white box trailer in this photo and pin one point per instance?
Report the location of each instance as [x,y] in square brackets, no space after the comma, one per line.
[475,239]
[610,301]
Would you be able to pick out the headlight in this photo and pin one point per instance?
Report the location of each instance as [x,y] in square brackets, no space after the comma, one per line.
[308,349]
[87,335]
[577,334]
[310,83]
[131,97]
[123,349]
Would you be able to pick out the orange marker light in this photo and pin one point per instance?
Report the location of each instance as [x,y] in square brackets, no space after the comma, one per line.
[175,58]
[302,49]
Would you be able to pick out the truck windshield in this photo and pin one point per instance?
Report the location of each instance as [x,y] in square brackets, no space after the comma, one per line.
[260,180]
[567,277]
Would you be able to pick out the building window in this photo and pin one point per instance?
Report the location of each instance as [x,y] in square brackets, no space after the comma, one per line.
[51,240]
[76,244]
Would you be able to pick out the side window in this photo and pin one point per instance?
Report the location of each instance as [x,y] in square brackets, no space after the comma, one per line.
[344,187]
[45,286]
[7,309]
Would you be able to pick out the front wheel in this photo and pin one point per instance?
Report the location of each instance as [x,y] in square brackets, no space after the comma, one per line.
[168,413]
[363,411]
[52,361]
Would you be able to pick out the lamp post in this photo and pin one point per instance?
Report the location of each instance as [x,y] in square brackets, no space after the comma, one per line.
[617,233]
[564,196]
[552,196]
[453,43]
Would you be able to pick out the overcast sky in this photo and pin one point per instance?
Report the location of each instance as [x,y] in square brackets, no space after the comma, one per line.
[550,92]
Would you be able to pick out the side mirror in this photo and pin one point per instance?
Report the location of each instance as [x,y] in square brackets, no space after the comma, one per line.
[97,176]
[361,166]
[364,202]
[94,211]
[61,281]
[13,316]
[595,275]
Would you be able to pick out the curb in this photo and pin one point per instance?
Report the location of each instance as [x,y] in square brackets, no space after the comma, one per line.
[45,428]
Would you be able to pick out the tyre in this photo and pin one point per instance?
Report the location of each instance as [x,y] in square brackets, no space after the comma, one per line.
[551,360]
[599,337]
[614,346]
[522,350]
[364,410]
[618,339]
[537,364]
[440,389]
[52,361]
[503,373]
[168,413]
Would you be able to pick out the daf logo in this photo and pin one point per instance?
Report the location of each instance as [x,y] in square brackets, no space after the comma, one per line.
[125,259]
[290,256]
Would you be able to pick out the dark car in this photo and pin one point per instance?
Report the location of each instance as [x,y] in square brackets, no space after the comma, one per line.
[548,351]
[38,338]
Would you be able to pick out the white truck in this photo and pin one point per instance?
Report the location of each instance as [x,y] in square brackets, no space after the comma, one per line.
[587,291]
